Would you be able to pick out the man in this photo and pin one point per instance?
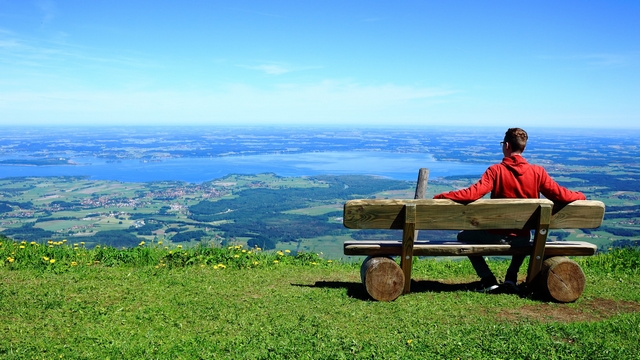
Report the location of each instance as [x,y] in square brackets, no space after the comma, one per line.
[514,177]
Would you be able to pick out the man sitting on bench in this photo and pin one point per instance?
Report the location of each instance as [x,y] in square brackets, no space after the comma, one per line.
[514,177]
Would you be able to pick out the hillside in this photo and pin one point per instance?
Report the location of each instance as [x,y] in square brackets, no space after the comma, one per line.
[265,210]
[66,301]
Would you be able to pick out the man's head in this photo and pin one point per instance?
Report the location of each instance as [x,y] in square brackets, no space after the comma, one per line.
[516,139]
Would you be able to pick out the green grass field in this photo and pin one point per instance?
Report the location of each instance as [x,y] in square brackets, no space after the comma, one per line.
[236,303]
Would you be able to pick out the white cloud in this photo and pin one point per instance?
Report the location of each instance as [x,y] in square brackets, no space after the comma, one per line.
[606,60]
[328,102]
[598,59]
[277,68]
[270,69]
[49,10]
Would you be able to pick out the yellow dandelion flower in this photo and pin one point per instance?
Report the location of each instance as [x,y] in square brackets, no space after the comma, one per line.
[32,243]
[52,261]
[21,246]
[329,261]
[75,245]
[50,246]
[157,266]
[10,259]
[64,240]
[179,246]
[280,253]
[244,251]
[73,263]
[97,246]
[215,267]
[170,252]
[409,342]
[236,256]
[23,242]
[222,266]
[313,263]
[275,261]
[230,247]
[258,249]
[287,251]
[256,263]
[159,242]
[141,243]
[201,265]
[82,243]
[49,242]
[238,247]
[45,258]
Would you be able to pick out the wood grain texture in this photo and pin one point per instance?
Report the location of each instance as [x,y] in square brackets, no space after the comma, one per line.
[437,214]
[408,237]
[421,185]
[382,278]
[539,241]
[422,248]
[562,279]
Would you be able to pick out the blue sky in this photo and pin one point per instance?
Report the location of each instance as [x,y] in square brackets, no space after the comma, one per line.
[362,63]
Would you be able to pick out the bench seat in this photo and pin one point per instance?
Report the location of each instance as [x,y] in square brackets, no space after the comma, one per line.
[455,248]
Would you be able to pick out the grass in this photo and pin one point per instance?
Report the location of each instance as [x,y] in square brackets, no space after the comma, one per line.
[152,302]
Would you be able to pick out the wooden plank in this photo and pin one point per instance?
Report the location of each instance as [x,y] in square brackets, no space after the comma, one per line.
[583,214]
[408,234]
[422,248]
[539,241]
[436,214]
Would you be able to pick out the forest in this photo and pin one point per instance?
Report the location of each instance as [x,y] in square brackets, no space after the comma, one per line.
[262,210]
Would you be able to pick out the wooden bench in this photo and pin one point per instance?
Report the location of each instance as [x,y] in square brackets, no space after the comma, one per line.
[549,270]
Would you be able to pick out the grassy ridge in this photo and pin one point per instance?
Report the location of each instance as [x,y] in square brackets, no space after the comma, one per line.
[127,304]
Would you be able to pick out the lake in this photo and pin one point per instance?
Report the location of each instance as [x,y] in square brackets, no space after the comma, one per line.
[399,166]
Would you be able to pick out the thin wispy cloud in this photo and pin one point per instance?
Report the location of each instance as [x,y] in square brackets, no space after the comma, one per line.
[256,12]
[270,69]
[9,43]
[48,9]
[597,59]
[330,100]
[277,68]
[607,60]
[43,53]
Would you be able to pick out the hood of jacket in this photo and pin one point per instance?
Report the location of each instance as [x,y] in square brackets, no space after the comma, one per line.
[516,164]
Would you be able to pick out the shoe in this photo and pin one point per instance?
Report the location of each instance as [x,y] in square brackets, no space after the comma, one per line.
[507,287]
[487,284]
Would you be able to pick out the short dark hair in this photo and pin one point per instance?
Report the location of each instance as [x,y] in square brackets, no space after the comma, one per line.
[517,138]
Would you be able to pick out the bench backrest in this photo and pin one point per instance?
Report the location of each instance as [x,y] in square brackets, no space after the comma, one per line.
[431,214]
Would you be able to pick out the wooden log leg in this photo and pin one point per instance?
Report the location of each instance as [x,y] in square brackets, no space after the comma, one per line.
[561,279]
[382,277]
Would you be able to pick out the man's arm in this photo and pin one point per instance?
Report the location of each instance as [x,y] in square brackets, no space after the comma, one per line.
[557,193]
[473,192]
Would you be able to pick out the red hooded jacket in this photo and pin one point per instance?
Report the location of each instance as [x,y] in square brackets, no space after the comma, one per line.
[514,177]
